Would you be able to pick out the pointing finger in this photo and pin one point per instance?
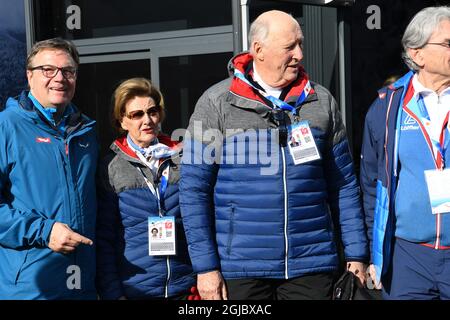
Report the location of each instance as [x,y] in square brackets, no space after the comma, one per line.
[80,239]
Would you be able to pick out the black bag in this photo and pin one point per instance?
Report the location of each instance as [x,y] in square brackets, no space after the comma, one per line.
[346,288]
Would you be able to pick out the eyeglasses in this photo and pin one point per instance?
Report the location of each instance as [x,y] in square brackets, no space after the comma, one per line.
[443,44]
[50,71]
[138,114]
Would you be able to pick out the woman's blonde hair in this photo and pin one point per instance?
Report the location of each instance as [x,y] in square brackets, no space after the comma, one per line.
[129,89]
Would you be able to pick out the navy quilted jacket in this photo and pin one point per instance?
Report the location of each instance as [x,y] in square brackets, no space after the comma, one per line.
[124,267]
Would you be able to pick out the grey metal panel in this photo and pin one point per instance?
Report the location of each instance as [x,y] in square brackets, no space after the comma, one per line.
[327,57]
[115,57]
[29,23]
[330,67]
[194,45]
[154,69]
[245,23]
[237,25]
[312,47]
[197,43]
[345,75]
[240,25]
[155,36]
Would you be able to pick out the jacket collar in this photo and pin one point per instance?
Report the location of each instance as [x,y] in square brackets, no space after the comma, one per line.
[25,107]
[403,81]
[121,147]
[249,98]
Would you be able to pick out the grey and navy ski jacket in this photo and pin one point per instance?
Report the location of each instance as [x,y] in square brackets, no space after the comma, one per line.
[124,267]
[45,177]
[248,211]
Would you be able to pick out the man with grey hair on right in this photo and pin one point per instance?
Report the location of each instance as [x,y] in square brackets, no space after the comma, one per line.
[404,160]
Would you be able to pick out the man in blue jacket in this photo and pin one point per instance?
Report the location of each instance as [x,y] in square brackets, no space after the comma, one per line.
[403,167]
[48,158]
[266,170]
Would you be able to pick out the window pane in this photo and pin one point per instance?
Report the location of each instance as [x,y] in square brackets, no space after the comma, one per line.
[184,79]
[103,18]
[259,6]
[95,85]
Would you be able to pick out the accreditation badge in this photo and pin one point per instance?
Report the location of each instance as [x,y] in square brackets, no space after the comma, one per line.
[301,143]
[161,236]
[438,183]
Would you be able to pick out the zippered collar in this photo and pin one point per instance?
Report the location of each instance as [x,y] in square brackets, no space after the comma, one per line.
[23,106]
[121,148]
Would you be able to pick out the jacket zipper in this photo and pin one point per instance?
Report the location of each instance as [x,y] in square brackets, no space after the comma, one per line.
[285,215]
[82,130]
[158,174]
[438,215]
[75,186]
[438,231]
[166,289]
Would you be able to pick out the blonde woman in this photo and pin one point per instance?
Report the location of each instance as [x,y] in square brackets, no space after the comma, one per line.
[138,194]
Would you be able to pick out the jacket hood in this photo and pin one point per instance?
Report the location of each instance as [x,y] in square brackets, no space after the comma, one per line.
[23,106]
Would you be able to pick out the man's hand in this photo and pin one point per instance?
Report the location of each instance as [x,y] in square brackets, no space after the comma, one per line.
[211,286]
[359,270]
[65,240]
[372,277]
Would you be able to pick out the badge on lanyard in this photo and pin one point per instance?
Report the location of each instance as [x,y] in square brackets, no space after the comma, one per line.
[301,143]
[438,182]
[161,236]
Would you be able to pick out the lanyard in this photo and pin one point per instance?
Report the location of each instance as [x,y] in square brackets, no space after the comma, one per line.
[158,191]
[279,104]
[162,185]
[154,191]
[438,145]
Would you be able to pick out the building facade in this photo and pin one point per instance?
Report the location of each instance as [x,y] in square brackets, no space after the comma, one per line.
[350,47]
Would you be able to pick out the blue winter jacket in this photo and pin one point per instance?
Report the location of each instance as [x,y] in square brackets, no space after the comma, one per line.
[124,266]
[248,211]
[380,170]
[45,177]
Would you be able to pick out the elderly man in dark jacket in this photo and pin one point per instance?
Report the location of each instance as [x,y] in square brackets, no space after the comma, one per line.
[265,172]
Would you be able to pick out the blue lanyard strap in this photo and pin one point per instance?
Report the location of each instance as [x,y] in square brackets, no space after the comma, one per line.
[164,182]
[159,192]
[278,104]
[437,144]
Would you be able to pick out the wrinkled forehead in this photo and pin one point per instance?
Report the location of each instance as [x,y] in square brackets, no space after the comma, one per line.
[288,27]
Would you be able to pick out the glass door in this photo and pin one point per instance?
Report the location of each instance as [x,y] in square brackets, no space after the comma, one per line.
[97,79]
[181,64]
